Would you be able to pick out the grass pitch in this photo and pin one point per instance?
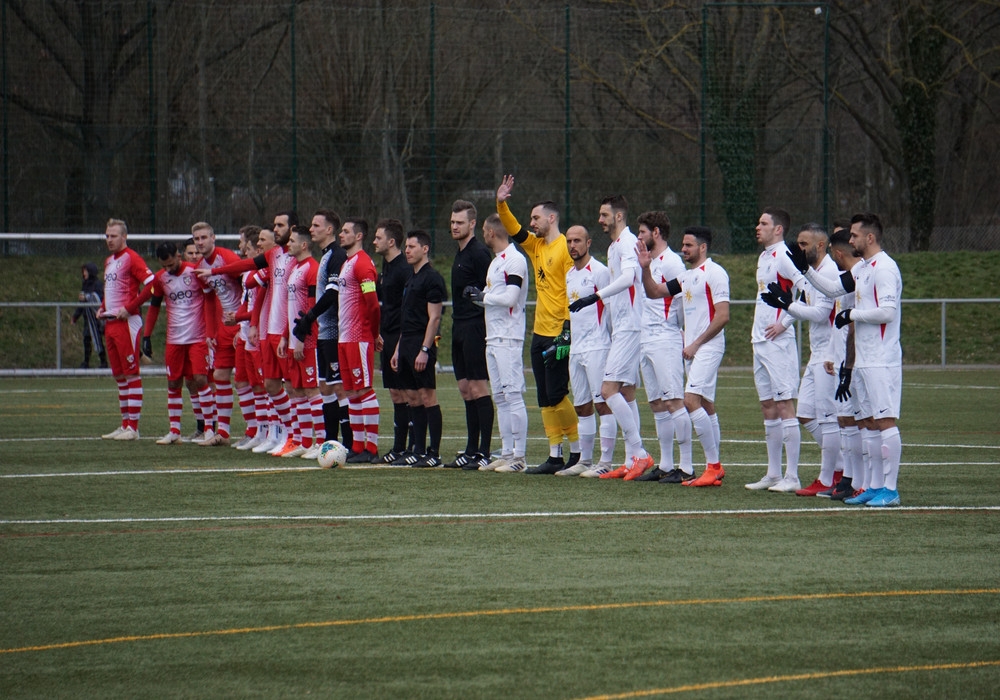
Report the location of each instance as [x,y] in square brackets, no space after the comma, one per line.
[130,569]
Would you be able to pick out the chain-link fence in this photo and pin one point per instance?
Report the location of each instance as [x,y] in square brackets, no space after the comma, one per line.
[168,112]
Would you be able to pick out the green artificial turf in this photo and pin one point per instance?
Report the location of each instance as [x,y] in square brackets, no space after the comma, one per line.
[135,570]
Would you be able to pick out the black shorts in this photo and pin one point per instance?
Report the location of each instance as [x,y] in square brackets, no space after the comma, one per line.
[390,377]
[468,349]
[328,361]
[410,379]
[551,381]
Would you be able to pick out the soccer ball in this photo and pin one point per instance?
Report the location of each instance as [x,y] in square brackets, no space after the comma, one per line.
[332,454]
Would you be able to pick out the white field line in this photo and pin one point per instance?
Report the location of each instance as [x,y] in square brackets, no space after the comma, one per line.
[456,438]
[493,516]
[309,467]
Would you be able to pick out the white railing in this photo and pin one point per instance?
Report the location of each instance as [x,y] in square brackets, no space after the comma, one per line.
[60,305]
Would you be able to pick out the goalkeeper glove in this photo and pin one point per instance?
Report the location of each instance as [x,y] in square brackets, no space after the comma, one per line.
[844,386]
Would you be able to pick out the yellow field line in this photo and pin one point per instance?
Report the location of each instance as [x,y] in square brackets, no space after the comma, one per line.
[795,677]
[501,611]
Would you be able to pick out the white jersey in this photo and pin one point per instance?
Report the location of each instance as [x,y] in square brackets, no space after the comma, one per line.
[183,296]
[703,288]
[772,266]
[877,285]
[663,317]
[818,309]
[589,327]
[626,306]
[836,348]
[505,309]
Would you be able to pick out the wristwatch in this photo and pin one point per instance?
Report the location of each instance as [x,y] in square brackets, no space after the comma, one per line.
[424,348]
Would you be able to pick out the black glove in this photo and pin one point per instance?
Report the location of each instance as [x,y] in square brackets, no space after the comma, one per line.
[147,347]
[777,297]
[798,258]
[584,302]
[844,387]
[843,318]
[474,294]
[303,324]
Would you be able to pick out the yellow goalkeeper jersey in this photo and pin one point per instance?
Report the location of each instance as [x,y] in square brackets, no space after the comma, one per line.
[551,262]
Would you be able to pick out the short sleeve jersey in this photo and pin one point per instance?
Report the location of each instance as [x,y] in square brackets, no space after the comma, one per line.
[227,288]
[184,296]
[279,265]
[663,316]
[589,327]
[301,297]
[770,268]
[703,288]
[468,269]
[125,274]
[877,284]
[506,321]
[426,286]
[626,307]
[357,278]
[391,281]
[327,279]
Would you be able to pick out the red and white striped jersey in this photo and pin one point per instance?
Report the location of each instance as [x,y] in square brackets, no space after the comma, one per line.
[125,274]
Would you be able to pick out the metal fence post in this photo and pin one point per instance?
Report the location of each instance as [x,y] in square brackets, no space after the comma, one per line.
[944,334]
[58,336]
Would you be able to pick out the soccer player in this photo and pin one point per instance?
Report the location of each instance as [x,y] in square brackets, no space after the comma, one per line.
[125,274]
[415,355]
[775,359]
[191,255]
[590,340]
[546,248]
[624,297]
[359,316]
[839,364]
[468,338]
[504,299]
[816,408]
[228,290]
[392,279]
[323,228]
[300,295]
[270,317]
[248,379]
[705,289]
[661,348]
[191,320]
[878,362]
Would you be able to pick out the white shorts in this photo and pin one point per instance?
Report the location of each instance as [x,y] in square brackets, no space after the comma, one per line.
[662,366]
[878,390]
[817,392]
[586,372]
[623,358]
[703,372]
[505,365]
[776,369]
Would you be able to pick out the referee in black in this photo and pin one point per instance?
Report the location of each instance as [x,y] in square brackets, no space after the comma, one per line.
[468,338]
[415,356]
[395,273]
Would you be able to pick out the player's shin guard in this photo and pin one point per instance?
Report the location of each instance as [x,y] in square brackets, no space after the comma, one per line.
[175,406]
[791,439]
[553,430]
[682,433]
[892,453]
[566,415]
[224,405]
[665,436]
[587,429]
